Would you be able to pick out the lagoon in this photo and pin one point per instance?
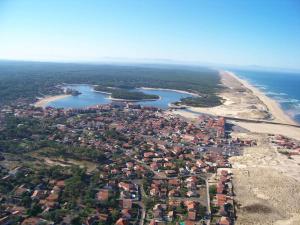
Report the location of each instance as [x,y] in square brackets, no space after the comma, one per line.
[89,97]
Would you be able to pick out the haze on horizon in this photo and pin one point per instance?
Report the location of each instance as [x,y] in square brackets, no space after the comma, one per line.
[264,33]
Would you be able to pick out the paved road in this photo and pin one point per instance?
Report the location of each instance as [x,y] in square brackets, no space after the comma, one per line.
[208,201]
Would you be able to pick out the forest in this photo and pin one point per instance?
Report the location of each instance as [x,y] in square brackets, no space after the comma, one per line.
[28,80]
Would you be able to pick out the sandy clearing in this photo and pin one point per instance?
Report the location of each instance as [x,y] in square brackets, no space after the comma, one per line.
[292,132]
[266,184]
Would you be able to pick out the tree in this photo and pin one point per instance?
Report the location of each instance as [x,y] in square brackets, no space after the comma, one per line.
[34,210]
[76,221]
[115,214]
[212,190]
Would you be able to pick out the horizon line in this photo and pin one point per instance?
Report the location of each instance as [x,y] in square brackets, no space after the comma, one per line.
[120,60]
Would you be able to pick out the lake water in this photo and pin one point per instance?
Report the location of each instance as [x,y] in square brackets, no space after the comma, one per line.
[89,97]
[281,86]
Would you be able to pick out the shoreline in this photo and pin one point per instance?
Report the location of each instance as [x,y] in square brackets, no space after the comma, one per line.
[43,102]
[126,100]
[242,101]
[167,89]
[273,107]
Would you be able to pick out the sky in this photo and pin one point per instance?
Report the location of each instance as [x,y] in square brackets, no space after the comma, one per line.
[234,32]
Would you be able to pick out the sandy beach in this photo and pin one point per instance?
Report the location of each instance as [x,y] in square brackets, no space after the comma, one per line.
[43,102]
[242,100]
[274,108]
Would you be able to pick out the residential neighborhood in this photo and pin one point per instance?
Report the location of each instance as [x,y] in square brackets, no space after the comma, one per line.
[116,164]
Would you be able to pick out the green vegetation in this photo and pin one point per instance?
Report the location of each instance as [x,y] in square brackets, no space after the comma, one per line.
[212,191]
[21,135]
[201,101]
[132,95]
[124,93]
[102,88]
[27,80]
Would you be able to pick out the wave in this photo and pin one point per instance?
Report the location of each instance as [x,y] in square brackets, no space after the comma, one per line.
[260,86]
[287,100]
[271,93]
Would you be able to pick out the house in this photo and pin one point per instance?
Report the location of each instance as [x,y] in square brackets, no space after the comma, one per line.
[127,204]
[171,215]
[191,194]
[221,199]
[103,217]
[126,186]
[225,221]
[92,220]
[153,222]
[20,191]
[173,193]
[189,222]
[158,211]
[192,215]
[122,221]
[38,194]
[174,182]
[170,173]
[126,214]
[220,188]
[60,183]
[191,205]
[35,221]
[103,195]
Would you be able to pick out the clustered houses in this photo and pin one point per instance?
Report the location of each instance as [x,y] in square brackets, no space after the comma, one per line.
[221,194]
[286,145]
[46,194]
[154,164]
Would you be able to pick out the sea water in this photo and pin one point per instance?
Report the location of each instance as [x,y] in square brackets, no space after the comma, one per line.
[284,87]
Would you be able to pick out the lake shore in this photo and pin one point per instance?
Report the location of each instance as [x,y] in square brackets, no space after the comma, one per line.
[166,89]
[128,100]
[43,102]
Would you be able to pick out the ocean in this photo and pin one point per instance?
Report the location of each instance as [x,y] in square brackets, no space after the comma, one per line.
[284,87]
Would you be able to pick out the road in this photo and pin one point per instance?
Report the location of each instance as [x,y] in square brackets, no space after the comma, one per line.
[208,201]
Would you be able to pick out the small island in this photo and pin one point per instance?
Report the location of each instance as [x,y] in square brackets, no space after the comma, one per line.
[70,91]
[125,94]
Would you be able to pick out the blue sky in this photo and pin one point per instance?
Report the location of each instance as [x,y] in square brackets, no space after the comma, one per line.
[239,32]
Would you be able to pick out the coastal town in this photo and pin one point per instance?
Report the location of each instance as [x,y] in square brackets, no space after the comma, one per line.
[115,164]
